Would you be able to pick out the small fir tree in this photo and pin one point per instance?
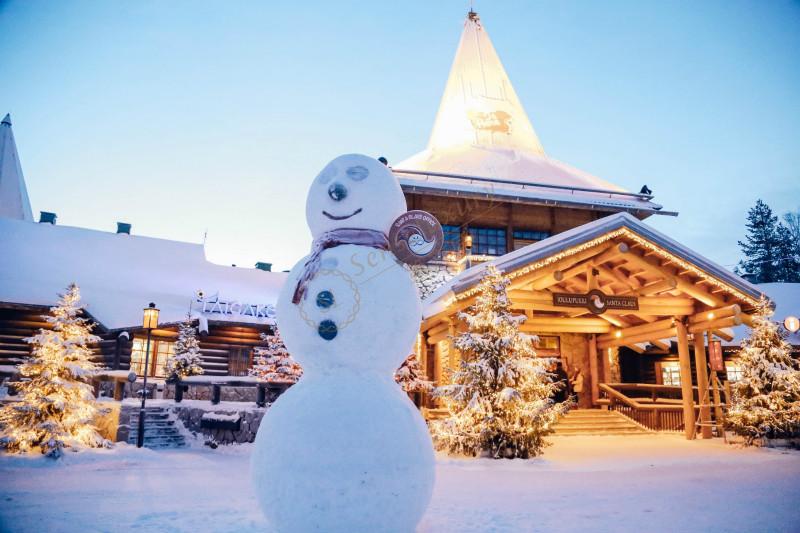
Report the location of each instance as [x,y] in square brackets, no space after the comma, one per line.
[499,401]
[57,405]
[766,401]
[760,245]
[272,362]
[186,361]
[410,376]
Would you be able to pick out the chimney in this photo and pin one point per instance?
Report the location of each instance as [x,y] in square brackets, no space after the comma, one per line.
[266,267]
[123,227]
[46,217]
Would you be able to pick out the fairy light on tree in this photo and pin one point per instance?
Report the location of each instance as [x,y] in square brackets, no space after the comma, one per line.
[766,400]
[186,360]
[272,363]
[499,399]
[57,405]
[410,376]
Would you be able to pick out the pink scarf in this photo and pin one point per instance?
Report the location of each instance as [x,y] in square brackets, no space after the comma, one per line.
[332,239]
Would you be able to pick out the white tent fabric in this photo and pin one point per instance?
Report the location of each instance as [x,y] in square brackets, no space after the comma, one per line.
[482,130]
[14,202]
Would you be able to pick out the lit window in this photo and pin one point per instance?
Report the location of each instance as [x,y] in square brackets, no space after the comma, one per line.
[452,238]
[159,353]
[733,371]
[523,238]
[488,241]
[671,374]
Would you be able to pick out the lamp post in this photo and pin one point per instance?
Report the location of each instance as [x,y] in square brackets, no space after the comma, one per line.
[468,248]
[150,322]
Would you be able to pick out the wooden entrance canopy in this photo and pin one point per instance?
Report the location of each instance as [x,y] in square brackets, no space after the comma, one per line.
[650,288]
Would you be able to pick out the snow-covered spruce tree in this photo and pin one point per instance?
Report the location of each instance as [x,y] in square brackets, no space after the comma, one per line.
[766,401]
[410,376]
[273,362]
[57,404]
[499,399]
[186,360]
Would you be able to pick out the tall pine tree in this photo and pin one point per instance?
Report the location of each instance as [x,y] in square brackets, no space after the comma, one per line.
[766,401]
[500,399]
[760,247]
[57,404]
[787,260]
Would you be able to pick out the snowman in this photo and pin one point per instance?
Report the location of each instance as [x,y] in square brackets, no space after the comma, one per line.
[345,450]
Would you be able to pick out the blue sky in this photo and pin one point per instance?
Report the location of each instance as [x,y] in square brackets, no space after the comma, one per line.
[187,117]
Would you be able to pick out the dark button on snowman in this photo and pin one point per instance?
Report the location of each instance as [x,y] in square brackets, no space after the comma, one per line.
[345,449]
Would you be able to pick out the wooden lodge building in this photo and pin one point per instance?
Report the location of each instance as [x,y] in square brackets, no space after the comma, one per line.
[636,312]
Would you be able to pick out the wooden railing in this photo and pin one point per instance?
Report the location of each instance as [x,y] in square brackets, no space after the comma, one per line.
[664,416]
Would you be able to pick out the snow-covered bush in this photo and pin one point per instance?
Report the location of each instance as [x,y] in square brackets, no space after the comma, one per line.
[410,376]
[272,362]
[766,400]
[57,404]
[428,278]
[186,360]
[499,399]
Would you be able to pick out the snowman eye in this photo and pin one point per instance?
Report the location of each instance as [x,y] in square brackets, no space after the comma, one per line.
[337,192]
[357,173]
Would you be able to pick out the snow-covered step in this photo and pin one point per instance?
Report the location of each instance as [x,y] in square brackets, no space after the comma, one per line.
[160,429]
[596,422]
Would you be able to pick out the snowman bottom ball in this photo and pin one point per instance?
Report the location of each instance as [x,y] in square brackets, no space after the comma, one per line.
[347,455]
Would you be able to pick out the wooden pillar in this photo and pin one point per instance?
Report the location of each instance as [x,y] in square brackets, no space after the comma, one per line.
[593,368]
[687,395]
[718,414]
[606,365]
[701,367]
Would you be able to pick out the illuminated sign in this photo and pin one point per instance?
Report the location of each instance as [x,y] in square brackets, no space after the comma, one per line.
[715,356]
[214,305]
[595,301]
[791,323]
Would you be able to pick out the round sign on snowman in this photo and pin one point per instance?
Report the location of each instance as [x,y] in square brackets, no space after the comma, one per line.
[345,449]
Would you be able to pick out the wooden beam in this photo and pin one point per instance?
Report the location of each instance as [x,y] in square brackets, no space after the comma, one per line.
[593,369]
[701,368]
[665,285]
[562,264]
[636,348]
[642,337]
[689,288]
[554,328]
[687,393]
[661,345]
[717,323]
[711,314]
[722,335]
[636,330]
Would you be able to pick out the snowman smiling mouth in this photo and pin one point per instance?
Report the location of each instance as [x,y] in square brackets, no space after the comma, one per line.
[341,217]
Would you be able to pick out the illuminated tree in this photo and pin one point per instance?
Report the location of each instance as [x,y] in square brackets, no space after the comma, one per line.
[57,405]
[273,362]
[766,401]
[186,360]
[410,376]
[499,399]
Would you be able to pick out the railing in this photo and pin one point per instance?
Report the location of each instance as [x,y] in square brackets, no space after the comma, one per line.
[665,416]
[266,392]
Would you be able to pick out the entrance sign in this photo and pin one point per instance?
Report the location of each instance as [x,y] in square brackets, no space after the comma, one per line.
[715,356]
[214,305]
[595,301]
[416,237]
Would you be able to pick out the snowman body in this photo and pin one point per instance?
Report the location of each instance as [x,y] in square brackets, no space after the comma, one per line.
[345,449]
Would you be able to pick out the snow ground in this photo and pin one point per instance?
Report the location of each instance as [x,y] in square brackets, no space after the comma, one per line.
[648,483]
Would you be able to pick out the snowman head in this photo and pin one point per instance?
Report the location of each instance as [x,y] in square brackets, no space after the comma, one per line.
[354,191]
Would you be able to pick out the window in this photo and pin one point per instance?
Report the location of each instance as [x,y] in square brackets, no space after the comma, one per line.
[548,346]
[160,350]
[452,238]
[733,371]
[488,241]
[523,238]
[671,374]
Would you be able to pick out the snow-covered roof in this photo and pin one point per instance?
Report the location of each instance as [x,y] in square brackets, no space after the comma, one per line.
[119,274]
[14,202]
[517,259]
[786,298]
[482,130]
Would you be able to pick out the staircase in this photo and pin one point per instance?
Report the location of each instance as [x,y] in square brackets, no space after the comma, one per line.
[160,430]
[596,422]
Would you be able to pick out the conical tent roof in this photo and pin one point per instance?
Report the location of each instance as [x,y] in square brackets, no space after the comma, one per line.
[14,202]
[482,131]
[479,105]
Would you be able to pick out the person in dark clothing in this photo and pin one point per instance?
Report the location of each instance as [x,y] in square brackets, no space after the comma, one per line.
[562,380]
